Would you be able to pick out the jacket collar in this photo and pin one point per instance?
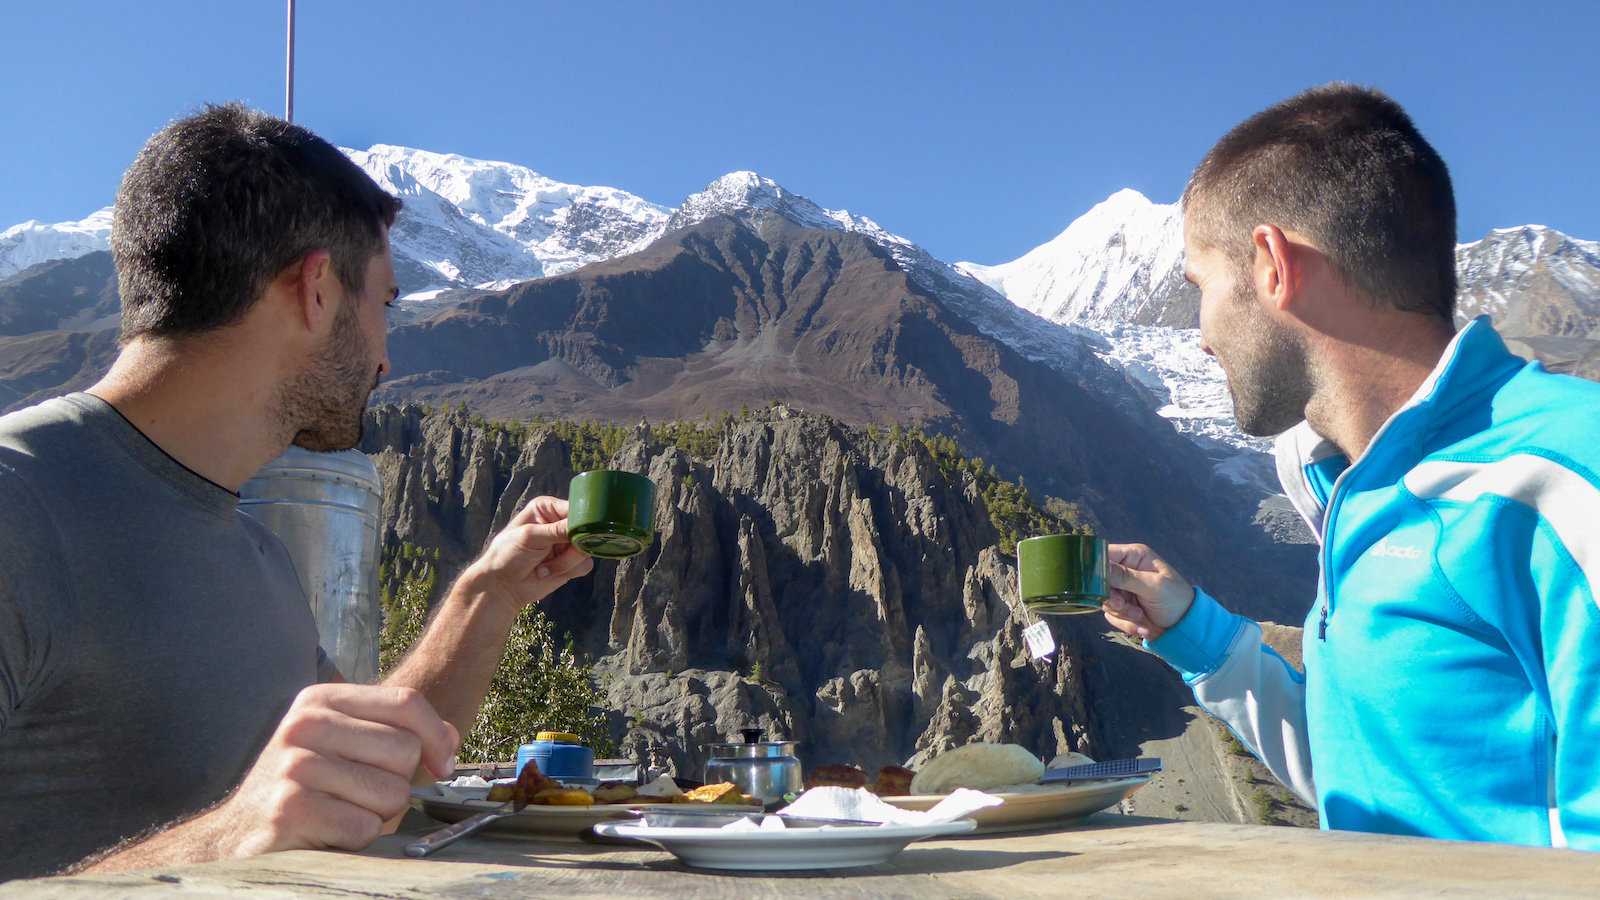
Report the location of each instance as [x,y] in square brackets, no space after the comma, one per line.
[1475,359]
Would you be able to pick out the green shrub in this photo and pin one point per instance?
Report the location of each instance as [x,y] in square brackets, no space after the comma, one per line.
[590,445]
[404,594]
[700,440]
[1231,744]
[540,685]
[1262,805]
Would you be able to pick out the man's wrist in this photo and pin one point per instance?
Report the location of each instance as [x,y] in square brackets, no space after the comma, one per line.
[1198,642]
[480,589]
[1182,609]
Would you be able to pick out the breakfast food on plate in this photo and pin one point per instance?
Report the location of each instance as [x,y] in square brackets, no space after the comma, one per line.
[836,776]
[561,796]
[725,793]
[979,766]
[893,781]
[662,790]
[614,792]
[529,781]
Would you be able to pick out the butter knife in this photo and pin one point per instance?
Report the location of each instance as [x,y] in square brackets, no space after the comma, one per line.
[449,834]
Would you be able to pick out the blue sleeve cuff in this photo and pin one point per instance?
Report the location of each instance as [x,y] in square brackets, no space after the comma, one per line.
[1198,644]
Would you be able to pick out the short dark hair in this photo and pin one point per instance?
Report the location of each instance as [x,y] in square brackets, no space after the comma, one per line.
[1346,166]
[218,203]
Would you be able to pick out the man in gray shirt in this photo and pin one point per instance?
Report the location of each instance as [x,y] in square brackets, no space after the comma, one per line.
[162,695]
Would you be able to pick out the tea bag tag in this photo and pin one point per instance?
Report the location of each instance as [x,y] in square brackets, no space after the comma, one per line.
[1041,643]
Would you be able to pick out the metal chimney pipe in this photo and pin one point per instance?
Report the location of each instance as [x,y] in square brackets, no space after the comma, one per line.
[288,71]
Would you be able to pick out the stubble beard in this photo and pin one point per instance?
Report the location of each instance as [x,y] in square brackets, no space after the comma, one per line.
[324,406]
[1269,378]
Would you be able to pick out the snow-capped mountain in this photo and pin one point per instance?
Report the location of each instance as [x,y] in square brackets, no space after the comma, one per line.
[476,223]
[31,242]
[467,223]
[1117,271]
[1119,263]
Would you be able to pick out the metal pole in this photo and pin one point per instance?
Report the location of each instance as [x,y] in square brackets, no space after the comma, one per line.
[288,71]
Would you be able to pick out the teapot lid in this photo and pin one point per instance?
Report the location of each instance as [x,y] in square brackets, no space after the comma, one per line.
[753,746]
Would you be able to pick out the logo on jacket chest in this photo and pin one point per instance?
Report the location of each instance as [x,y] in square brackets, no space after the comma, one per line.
[1387,549]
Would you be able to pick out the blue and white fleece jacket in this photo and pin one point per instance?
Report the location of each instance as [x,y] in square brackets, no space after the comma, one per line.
[1452,659]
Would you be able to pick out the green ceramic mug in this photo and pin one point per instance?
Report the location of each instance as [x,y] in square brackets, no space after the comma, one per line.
[611,514]
[1062,574]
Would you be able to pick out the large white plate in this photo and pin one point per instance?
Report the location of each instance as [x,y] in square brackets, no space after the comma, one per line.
[1044,806]
[785,850]
[558,822]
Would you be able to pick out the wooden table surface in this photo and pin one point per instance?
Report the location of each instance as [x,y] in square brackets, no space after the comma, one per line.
[1112,856]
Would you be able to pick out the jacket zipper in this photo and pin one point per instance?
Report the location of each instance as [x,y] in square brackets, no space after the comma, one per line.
[1334,497]
[1327,533]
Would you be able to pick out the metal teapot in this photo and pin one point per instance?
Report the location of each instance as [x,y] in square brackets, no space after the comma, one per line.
[766,770]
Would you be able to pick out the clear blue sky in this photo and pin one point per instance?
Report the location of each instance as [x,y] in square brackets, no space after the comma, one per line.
[978,130]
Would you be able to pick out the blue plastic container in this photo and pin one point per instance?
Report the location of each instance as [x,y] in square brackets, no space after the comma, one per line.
[560,756]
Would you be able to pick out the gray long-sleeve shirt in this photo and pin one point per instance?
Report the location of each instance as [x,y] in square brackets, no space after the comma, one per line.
[151,636]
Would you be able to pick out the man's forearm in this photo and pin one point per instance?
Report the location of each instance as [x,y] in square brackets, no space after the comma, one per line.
[454,660]
[200,838]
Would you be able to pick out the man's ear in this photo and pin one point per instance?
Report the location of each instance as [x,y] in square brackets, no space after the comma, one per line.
[313,290]
[1277,269]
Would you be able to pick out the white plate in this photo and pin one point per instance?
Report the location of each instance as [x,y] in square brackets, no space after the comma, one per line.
[1044,806]
[560,822]
[785,850]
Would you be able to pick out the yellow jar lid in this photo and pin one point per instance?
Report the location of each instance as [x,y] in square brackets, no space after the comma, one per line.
[560,737]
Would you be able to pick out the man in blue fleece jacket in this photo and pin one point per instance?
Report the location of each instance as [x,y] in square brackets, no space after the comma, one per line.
[1452,657]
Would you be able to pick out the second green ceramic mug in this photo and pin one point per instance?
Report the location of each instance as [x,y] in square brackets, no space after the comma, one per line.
[611,514]
[1062,574]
